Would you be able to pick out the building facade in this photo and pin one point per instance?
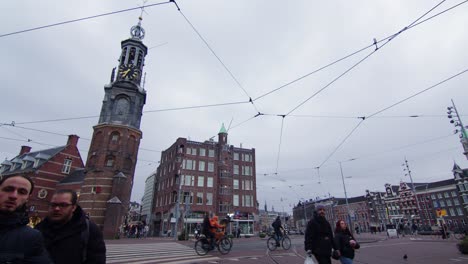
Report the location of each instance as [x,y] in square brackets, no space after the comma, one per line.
[116,138]
[199,178]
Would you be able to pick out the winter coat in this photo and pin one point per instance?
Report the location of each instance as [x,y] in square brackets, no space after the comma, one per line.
[65,243]
[319,236]
[20,243]
[342,239]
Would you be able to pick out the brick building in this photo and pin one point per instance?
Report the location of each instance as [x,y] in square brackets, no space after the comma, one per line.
[50,169]
[198,178]
[113,152]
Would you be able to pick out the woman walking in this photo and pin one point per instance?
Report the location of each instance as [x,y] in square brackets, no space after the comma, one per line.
[345,242]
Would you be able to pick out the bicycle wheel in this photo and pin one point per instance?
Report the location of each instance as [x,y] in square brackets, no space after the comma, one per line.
[201,247]
[286,242]
[271,243]
[224,246]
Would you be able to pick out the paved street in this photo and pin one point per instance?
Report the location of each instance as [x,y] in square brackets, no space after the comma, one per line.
[375,249]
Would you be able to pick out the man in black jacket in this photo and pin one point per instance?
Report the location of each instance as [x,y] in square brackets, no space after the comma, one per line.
[319,237]
[70,237]
[18,242]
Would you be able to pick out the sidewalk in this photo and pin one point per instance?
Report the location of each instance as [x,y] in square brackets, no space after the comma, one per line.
[370,238]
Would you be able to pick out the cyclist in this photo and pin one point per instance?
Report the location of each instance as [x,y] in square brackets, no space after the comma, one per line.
[277,227]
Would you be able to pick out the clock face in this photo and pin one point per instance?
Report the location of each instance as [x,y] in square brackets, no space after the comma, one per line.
[129,71]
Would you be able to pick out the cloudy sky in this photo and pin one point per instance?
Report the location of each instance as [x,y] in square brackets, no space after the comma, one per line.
[263,46]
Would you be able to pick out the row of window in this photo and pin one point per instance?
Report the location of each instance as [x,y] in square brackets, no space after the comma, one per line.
[201,152]
[204,199]
[211,153]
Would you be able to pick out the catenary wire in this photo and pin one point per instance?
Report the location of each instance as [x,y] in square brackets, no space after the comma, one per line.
[219,59]
[412,25]
[80,19]
[418,93]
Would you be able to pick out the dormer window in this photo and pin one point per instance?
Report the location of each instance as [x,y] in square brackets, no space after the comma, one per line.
[12,168]
[24,164]
[66,166]
[36,163]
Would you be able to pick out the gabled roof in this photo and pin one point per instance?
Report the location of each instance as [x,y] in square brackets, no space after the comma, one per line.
[77,176]
[44,156]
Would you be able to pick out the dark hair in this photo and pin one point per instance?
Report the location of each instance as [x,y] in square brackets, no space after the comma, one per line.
[74,196]
[338,226]
[4,178]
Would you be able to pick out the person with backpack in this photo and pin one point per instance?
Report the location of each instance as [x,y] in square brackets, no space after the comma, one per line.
[70,237]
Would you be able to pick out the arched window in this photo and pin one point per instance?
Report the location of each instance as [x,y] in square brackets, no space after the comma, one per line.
[124,56]
[114,138]
[110,160]
[128,164]
[140,59]
[131,56]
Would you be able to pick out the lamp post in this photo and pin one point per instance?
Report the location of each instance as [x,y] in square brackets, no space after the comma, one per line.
[412,185]
[177,209]
[346,196]
[457,122]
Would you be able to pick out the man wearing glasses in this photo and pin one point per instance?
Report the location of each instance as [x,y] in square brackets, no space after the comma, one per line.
[70,237]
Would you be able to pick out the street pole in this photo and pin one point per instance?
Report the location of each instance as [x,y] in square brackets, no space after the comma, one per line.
[177,209]
[459,123]
[413,188]
[346,197]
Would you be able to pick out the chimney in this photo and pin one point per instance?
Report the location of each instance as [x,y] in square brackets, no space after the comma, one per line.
[25,149]
[72,140]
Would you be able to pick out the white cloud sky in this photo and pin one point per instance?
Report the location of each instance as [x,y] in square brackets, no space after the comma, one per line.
[60,72]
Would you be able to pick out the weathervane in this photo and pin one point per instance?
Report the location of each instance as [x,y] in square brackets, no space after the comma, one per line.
[137,32]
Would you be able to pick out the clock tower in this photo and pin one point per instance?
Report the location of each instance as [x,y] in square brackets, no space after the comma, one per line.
[113,152]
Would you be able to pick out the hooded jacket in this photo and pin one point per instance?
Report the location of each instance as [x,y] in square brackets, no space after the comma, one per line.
[65,244]
[20,243]
[319,236]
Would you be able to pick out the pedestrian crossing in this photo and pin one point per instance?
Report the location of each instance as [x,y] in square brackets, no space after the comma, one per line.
[167,252]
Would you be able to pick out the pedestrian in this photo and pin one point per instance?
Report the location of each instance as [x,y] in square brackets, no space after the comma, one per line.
[70,237]
[19,243]
[277,227]
[238,232]
[345,242]
[319,237]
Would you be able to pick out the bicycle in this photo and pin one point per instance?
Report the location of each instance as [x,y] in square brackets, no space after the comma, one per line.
[222,242]
[284,241]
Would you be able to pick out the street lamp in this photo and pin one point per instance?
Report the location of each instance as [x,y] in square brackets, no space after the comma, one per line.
[346,195]
[412,185]
[177,209]
[457,122]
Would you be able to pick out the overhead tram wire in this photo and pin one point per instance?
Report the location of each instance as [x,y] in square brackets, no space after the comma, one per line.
[418,93]
[217,57]
[362,60]
[64,135]
[412,25]
[81,19]
[148,111]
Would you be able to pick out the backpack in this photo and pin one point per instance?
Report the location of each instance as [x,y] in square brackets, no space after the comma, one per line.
[84,241]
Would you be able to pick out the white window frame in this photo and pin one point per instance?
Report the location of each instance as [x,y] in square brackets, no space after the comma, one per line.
[235,184]
[209,198]
[235,200]
[209,182]
[201,181]
[66,168]
[201,165]
[210,166]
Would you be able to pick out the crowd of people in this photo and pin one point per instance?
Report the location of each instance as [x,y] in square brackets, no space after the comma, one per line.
[135,230]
